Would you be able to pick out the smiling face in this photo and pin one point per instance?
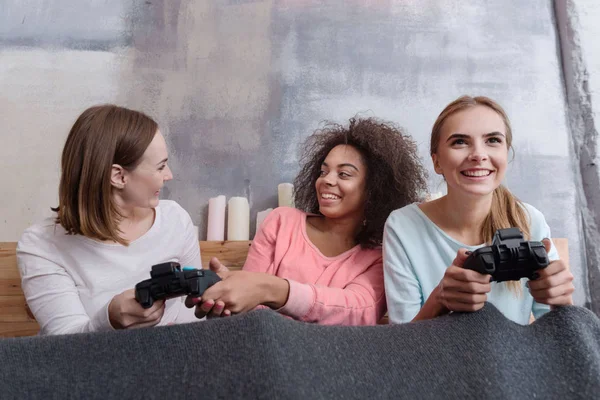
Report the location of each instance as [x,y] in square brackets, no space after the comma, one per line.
[341,186]
[472,153]
[142,185]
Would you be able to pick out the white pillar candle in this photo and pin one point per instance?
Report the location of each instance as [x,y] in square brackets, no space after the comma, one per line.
[238,219]
[260,217]
[285,192]
[216,218]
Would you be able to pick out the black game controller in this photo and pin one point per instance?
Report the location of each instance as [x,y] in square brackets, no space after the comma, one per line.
[168,280]
[509,258]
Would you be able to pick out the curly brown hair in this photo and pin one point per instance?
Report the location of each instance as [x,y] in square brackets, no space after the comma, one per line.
[395,174]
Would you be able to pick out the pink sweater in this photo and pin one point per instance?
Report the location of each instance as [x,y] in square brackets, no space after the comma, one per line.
[345,290]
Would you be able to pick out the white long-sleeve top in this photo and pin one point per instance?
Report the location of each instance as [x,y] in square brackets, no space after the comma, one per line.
[69,280]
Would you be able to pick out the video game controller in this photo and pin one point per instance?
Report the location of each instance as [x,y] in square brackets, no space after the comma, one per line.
[509,258]
[169,280]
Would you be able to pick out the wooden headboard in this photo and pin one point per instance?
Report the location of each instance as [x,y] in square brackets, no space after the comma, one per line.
[16,320]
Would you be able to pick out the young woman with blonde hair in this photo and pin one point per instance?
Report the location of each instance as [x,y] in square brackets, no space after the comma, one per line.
[425,245]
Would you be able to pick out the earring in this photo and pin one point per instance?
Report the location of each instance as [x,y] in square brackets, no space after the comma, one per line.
[365,222]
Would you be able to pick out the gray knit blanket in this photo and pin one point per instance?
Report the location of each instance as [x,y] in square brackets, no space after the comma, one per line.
[262,355]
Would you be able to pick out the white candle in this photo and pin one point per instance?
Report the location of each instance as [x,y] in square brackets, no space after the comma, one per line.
[216,218]
[285,192]
[238,219]
[260,217]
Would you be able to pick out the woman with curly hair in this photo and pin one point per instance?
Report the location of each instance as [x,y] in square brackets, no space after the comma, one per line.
[322,261]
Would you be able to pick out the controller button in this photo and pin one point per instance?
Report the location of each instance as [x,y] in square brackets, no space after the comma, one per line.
[540,254]
[488,262]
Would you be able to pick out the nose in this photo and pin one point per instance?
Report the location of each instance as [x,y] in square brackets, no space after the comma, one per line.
[168,174]
[478,153]
[329,178]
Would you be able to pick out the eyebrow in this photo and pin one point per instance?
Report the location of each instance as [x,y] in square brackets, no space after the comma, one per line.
[463,136]
[342,165]
[163,161]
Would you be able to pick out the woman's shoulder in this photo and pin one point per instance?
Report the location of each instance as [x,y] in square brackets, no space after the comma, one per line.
[42,234]
[286,218]
[412,227]
[533,212]
[535,216]
[408,215]
[288,215]
[290,212]
[47,227]
[537,222]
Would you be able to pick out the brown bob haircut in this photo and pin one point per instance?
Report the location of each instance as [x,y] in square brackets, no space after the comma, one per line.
[102,136]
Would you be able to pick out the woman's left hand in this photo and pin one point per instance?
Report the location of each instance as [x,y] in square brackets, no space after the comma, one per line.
[554,286]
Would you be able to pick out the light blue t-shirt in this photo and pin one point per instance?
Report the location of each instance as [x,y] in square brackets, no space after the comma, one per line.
[416,253]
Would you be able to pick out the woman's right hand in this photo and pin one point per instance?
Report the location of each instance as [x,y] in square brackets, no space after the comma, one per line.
[463,289]
[207,307]
[124,312]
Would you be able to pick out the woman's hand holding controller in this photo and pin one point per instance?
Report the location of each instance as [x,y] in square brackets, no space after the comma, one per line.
[459,290]
[462,289]
[125,312]
[554,284]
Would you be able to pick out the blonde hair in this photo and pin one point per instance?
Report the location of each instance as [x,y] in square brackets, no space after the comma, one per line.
[102,136]
[507,211]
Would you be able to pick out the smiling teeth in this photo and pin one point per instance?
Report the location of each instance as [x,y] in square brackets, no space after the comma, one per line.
[330,196]
[477,173]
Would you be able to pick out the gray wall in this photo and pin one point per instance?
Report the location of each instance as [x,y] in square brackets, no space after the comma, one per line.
[237,85]
[579,32]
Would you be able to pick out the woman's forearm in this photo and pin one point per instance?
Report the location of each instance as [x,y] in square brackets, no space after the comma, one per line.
[432,308]
[276,291]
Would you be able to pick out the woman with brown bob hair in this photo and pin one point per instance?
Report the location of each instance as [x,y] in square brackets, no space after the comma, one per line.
[425,245]
[79,268]
[321,261]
